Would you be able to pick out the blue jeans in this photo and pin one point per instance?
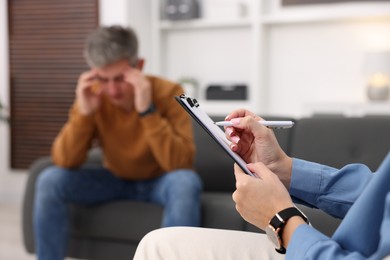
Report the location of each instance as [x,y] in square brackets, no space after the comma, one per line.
[177,191]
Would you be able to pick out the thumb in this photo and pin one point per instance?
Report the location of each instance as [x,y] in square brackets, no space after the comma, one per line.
[241,174]
[260,170]
[238,172]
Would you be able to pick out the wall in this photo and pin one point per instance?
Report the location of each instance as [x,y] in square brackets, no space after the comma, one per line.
[11,182]
[134,13]
[320,60]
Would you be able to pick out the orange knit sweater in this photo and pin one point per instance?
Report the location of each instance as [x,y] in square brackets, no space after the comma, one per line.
[134,147]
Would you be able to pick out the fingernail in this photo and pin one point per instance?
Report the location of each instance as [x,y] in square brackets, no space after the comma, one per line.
[235,121]
[234,147]
[229,131]
[235,139]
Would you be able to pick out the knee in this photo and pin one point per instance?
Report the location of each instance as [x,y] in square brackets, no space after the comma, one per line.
[187,180]
[157,244]
[148,247]
[49,182]
[150,240]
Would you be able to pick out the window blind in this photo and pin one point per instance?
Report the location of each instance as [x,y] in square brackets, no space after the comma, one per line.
[46,39]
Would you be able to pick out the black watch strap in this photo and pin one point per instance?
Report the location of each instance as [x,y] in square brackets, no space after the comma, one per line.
[280,219]
[151,109]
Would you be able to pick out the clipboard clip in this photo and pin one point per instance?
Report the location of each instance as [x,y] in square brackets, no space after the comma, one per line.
[192,101]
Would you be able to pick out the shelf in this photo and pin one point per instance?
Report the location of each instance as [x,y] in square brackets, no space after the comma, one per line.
[203,24]
[329,14]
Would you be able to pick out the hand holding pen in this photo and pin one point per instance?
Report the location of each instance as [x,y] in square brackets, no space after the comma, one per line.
[256,143]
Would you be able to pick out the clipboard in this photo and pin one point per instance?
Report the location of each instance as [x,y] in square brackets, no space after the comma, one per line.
[192,106]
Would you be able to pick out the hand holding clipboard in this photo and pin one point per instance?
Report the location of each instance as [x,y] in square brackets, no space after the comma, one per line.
[193,108]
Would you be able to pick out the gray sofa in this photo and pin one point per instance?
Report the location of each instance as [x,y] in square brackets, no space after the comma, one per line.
[113,230]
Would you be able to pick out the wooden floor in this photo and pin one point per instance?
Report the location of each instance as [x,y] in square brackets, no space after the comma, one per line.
[11,246]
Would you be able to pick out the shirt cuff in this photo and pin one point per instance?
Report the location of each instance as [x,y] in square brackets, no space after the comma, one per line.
[302,240]
[305,180]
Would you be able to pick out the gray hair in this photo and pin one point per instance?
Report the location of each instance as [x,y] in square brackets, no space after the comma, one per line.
[107,45]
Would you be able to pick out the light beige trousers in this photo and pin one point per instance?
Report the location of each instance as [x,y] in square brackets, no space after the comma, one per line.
[187,243]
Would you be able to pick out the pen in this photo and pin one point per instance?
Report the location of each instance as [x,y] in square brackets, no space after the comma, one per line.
[271,124]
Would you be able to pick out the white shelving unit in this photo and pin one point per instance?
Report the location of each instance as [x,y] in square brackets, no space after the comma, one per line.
[203,24]
[231,46]
[235,48]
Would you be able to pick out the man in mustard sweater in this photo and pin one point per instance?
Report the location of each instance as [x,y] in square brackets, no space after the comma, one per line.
[145,136]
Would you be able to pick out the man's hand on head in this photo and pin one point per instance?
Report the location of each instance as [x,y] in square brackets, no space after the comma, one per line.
[142,88]
[88,92]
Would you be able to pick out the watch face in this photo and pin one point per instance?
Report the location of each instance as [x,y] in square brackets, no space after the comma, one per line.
[273,236]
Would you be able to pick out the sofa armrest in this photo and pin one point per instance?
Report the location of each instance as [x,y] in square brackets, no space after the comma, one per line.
[94,158]
[28,201]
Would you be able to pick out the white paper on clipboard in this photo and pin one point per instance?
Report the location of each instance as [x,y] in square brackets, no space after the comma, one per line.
[191,105]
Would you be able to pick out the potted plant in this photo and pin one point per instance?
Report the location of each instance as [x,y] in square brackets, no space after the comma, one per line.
[3,113]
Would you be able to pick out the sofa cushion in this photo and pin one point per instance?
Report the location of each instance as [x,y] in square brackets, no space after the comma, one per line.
[118,220]
[218,211]
[320,220]
[213,165]
[337,141]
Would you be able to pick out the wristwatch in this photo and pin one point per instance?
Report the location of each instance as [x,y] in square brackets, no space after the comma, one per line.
[275,226]
[151,109]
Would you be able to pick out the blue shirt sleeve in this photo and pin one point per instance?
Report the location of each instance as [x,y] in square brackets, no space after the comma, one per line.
[329,189]
[363,233]
[308,243]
